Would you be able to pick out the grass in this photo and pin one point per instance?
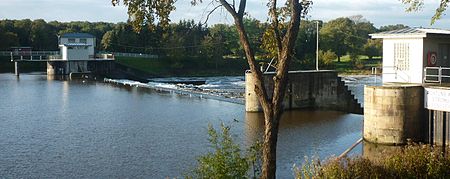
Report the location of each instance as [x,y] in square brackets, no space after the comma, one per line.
[187,66]
[197,66]
[346,66]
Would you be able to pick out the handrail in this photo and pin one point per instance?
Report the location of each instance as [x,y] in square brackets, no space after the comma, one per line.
[437,73]
[398,73]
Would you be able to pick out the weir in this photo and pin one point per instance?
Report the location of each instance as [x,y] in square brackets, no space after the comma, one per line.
[307,89]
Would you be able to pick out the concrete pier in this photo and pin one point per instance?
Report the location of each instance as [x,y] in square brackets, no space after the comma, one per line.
[16,68]
[393,114]
[307,89]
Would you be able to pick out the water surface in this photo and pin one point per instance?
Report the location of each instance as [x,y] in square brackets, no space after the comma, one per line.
[81,129]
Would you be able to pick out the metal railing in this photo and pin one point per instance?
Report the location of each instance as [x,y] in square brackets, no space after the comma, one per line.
[436,74]
[29,53]
[398,74]
[141,55]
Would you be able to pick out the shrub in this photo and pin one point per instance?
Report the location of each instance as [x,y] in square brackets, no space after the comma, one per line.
[413,161]
[227,160]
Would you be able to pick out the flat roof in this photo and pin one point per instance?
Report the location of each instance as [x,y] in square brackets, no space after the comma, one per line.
[77,35]
[410,32]
[76,45]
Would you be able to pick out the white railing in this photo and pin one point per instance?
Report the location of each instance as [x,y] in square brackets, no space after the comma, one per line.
[29,53]
[436,74]
[404,76]
[141,55]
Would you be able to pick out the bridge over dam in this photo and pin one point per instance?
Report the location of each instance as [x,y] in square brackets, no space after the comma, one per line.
[56,65]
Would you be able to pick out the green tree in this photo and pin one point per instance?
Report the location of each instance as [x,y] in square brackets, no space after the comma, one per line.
[43,36]
[392,27]
[373,48]
[108,41]
[326,57]
[22,28]
[226,160]
[338,36]
[143,11]
[8,40]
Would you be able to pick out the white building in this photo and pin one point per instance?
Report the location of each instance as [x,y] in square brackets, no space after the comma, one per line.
[415,55]
[77,46]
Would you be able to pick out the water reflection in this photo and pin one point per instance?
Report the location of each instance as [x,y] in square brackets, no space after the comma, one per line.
[374,152]
[52,128]
[308,133]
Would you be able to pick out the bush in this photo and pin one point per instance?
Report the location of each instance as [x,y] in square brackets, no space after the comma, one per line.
[227,160]
[413,161]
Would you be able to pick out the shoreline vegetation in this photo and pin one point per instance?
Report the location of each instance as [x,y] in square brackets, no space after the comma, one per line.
[195,67]
[409,161]
[202,67]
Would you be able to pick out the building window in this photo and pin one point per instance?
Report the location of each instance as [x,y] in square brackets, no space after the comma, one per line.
[401,56]
[84,41]
[71,40]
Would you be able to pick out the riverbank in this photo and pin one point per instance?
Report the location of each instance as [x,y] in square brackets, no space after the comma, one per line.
[200,67]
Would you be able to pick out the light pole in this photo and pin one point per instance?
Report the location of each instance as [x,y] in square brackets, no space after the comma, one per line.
[317,46]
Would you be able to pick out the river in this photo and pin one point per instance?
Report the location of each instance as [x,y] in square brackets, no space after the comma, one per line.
[85,129]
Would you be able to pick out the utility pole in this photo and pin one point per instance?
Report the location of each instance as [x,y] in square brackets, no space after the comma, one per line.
[317,46]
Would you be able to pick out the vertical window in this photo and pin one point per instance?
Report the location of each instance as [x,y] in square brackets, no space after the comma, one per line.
[401,56]
[84,41]
[71,40]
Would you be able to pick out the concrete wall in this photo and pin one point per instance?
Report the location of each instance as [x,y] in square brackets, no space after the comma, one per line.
[307,89]
[77,53]
[414,74]
[393,114]
[67,67]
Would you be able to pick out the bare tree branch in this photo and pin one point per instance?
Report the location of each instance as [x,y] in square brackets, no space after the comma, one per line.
[228,8]
[210,12]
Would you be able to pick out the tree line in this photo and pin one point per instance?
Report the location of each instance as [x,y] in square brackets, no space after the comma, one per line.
[337,37]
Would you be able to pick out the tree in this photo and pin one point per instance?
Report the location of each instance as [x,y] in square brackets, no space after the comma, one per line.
[392,27]
[373,48]
[144,12]
[338,36]
[326,57]
[108,40]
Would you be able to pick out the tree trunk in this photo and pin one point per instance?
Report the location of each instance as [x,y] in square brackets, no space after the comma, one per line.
[270,146]
[339,59]
[272,108]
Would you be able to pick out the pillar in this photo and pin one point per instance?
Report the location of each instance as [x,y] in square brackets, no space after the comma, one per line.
[16,68]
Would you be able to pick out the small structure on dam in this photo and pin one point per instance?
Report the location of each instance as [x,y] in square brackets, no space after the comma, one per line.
[307,89]
[414,100]
[77,56]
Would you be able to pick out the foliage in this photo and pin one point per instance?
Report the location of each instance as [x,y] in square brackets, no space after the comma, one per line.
[226,160]
[373,48]
[148,13]
[193,66]
[346,35]
[392,27]
[326,58]
[413,161]
[416,5]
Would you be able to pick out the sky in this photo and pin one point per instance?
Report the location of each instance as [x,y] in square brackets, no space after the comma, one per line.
[379,12]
